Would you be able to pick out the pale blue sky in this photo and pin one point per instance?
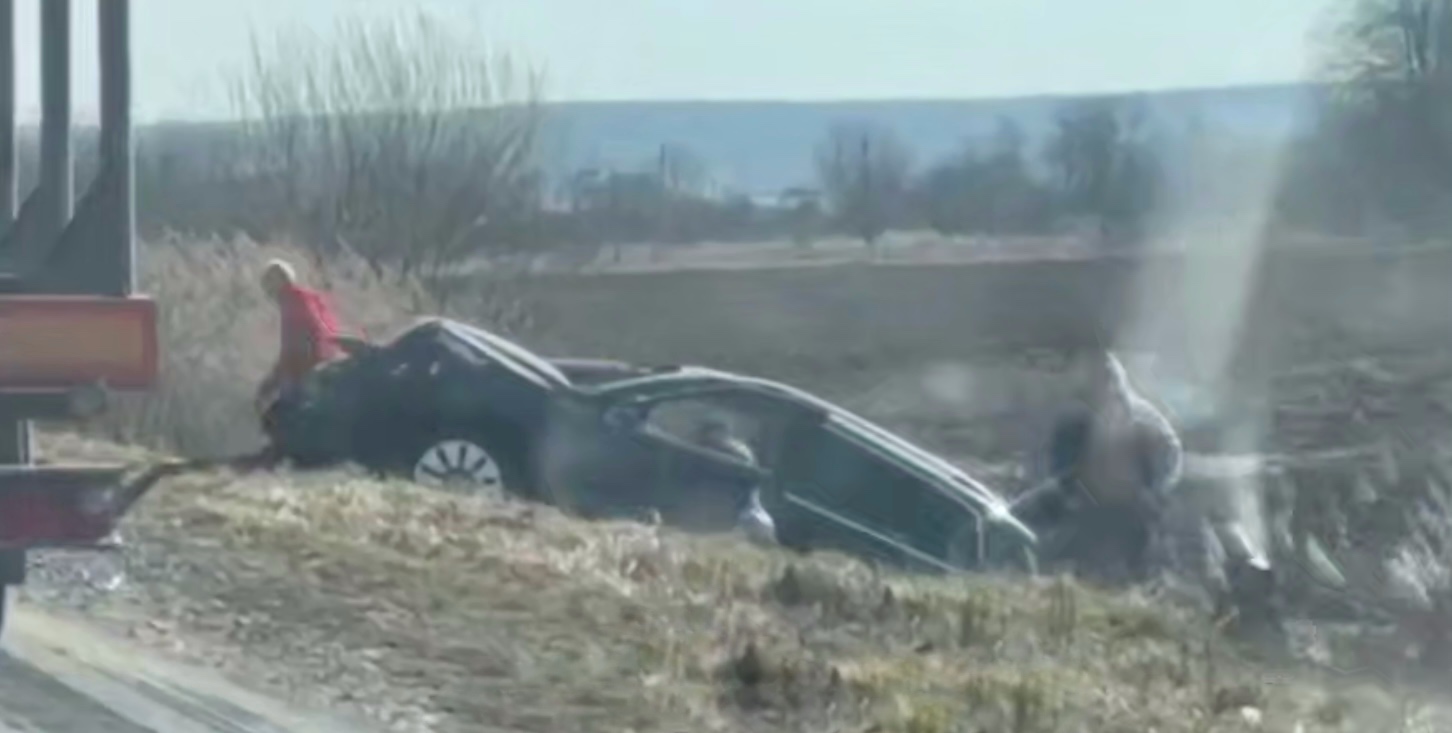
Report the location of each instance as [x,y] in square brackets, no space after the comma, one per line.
[752,49]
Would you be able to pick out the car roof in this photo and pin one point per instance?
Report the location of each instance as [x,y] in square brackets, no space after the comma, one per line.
[692,378]
[502,350]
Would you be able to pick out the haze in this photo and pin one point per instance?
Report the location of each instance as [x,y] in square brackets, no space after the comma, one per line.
[748,49]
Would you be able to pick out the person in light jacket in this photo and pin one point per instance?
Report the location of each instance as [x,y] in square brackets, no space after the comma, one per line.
[1111,469]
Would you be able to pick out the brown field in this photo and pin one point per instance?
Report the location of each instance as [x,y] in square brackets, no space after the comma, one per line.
[963,357]
[775,318]
[966,357]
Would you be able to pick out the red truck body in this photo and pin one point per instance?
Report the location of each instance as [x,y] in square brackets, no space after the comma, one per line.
[60,357]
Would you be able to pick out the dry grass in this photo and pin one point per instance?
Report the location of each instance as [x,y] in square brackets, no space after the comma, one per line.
[219,337]
[432,610]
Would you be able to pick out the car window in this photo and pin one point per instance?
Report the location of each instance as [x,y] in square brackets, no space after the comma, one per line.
[847,477]
[742,426]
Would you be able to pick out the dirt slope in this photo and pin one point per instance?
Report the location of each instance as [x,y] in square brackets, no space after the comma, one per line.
[430,612]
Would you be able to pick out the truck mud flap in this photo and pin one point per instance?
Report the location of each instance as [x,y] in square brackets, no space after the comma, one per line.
[69,506]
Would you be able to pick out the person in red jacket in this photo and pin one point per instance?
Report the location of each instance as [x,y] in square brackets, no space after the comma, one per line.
[309,333]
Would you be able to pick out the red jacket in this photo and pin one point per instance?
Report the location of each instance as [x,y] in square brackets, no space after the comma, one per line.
[309,333]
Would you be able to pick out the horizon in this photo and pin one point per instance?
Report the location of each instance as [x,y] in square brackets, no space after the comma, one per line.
[1029,96]
[25,120]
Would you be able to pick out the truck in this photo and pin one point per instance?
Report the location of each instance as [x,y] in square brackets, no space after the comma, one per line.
[73,329]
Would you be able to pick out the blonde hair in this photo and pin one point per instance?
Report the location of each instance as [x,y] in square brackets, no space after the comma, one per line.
[279,269]
[276,275]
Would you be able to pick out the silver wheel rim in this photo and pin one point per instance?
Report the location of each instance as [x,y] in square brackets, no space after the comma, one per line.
[459,465]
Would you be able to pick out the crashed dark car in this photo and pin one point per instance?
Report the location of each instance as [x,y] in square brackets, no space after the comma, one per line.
[448,403]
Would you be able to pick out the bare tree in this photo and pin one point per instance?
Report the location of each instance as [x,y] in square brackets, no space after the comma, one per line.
[803,207]
[1393,47]
[1105,169]
[1385,146]
[864,172]
[1391,119]
[683,179]
[988,190]
[682,172]
[403,139]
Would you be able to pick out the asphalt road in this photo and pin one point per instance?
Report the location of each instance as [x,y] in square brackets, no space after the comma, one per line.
[59,676]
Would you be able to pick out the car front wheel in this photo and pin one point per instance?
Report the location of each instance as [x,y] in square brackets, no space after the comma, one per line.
[464,466]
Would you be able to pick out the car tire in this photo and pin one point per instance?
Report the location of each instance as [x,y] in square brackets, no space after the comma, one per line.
[465,465]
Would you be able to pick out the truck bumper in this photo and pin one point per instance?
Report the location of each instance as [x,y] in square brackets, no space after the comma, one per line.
[60,506]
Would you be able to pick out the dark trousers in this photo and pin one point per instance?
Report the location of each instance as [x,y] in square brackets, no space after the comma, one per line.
[1108,543]
[272,426]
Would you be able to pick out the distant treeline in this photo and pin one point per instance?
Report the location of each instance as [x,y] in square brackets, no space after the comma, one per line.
[405,142]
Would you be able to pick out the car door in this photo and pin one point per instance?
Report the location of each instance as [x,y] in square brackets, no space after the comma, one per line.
[592,461]
[835,488]
[700,485]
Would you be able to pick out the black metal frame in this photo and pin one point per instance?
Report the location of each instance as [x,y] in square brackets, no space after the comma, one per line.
[45,249]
